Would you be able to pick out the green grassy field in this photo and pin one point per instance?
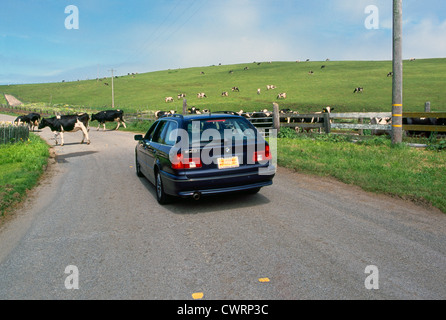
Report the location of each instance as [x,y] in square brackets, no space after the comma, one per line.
[332,86]
[21,165]
[374,164]
[2,99]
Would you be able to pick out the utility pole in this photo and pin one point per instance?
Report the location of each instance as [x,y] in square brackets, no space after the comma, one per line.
[113,89]
[397,87]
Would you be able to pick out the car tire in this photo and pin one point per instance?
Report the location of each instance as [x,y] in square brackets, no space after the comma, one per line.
[138,168]
[253,191]
[161,196]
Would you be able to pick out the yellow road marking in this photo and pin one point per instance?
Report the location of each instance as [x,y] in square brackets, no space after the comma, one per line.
[197,295]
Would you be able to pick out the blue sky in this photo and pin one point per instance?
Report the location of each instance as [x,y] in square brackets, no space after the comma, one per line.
[142,36]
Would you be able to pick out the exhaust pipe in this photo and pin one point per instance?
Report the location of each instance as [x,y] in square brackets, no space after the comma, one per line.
[197,196]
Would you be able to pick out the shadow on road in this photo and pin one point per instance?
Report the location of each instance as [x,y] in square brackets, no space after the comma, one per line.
[222,202]
[63,157]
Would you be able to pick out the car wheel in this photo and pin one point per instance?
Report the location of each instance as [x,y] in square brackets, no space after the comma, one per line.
[138,168]
[161,196]
[253,191]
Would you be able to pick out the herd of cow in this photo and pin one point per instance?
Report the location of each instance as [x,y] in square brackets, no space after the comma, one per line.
[202,95]
[71,123]
[262,118]
[80,121]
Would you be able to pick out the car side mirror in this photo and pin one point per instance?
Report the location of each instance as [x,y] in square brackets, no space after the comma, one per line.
[138,137]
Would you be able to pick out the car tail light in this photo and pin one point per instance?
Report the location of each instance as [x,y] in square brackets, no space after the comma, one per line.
[261,156]
[186,163]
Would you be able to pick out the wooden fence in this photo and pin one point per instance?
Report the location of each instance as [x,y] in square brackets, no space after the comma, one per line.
[359,121]
[326,122]
[13,133]
[427,115]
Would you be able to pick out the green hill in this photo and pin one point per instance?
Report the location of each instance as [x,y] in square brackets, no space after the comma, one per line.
[333,85]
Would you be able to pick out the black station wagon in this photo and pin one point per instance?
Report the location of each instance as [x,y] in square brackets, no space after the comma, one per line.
[195,155]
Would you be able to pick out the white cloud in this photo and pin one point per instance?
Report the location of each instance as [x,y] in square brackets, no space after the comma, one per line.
[425,39]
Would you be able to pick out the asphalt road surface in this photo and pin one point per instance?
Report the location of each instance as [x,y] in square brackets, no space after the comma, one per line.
[302,238]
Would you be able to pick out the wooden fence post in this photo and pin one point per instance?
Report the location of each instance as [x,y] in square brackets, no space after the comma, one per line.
[276,117]
[361,131]
[327,123]
[184,107]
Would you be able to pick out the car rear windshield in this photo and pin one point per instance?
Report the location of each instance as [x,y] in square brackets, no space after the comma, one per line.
[214,129]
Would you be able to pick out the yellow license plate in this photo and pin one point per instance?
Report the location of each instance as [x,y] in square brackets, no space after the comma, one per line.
[225,163]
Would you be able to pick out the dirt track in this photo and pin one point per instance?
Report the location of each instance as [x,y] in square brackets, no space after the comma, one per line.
[312,237]
[13,101]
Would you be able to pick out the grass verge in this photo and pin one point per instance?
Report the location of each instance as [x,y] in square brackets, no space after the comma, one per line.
[21,165]
[374,165]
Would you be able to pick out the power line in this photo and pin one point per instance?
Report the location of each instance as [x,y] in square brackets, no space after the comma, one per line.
[155,43]
[144,43]
[397,87]
[165,39]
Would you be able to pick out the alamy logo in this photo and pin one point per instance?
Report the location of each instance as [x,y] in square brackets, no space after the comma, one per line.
[372,281]
[187,150]
[372,21]
[72,21]
[72,281]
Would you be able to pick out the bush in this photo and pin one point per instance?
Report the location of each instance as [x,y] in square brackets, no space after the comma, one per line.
[287,133]
[11,133]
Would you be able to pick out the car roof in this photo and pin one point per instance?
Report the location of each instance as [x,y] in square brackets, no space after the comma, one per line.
[210,116]
[201,116]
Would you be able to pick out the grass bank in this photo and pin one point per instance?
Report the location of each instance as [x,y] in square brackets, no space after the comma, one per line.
[330,86]
[374,165]
[21,165]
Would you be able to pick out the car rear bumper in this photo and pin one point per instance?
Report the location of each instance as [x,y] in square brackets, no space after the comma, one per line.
[187,194]
[184,187]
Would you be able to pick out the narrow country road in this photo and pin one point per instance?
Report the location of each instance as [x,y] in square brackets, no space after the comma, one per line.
[313,238]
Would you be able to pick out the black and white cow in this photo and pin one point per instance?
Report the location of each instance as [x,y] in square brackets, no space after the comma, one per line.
[194,110]
[358,90]
[316,119]
[243,114]
[261,118]
[424,122]
[70,123]
[160,113]
[31,119]
[284,116]
[381,121]
[109,116]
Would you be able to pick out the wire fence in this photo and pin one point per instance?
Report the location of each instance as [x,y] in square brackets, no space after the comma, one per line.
[11,133]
